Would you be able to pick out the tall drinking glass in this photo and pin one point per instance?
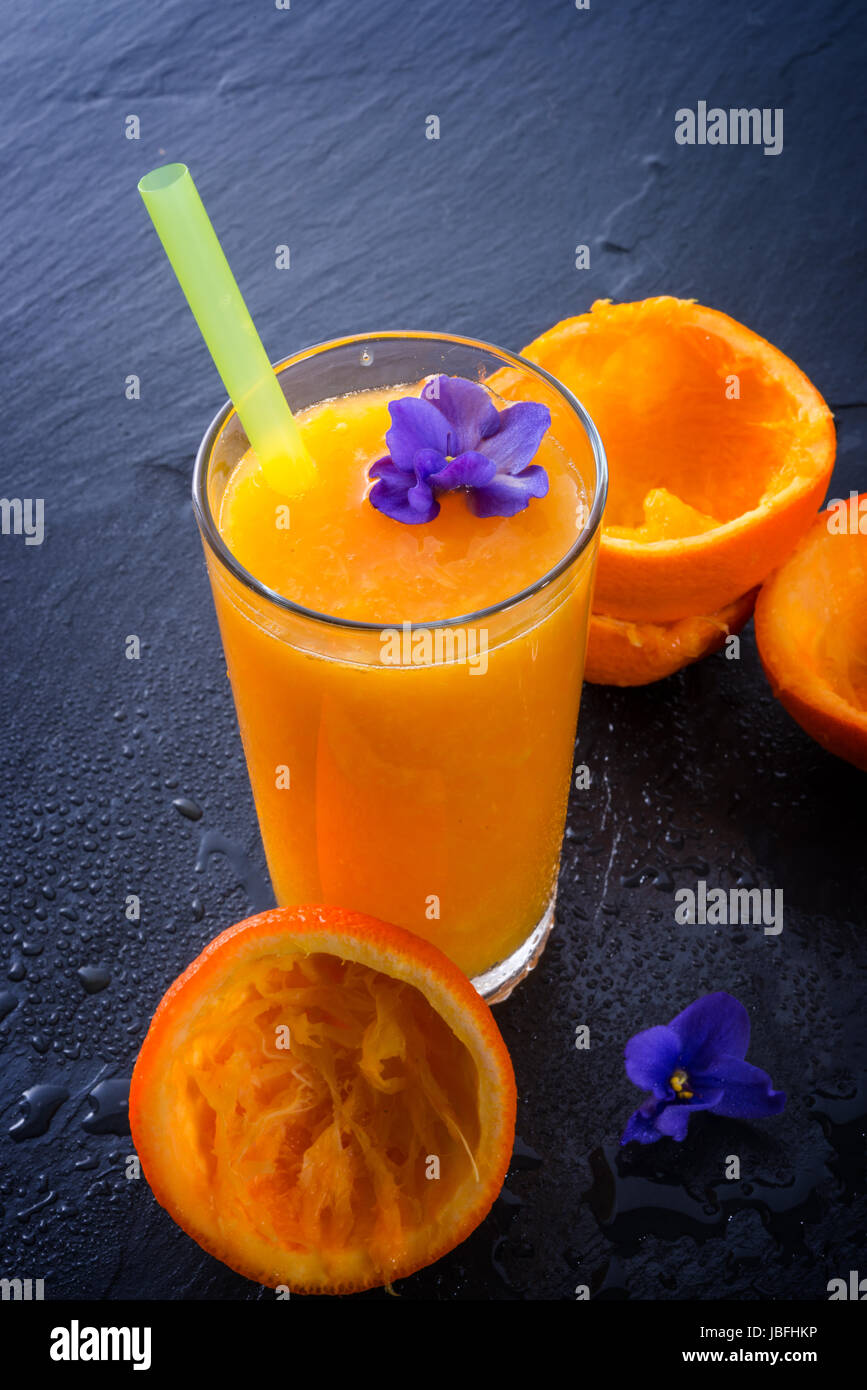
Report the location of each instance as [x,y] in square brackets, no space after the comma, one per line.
[416,771]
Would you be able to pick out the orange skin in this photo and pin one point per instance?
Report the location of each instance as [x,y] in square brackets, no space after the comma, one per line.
[708,490]
[811,630]
[621,653]
[160,1110]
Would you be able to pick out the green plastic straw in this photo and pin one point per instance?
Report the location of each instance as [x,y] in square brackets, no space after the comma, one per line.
[191,244]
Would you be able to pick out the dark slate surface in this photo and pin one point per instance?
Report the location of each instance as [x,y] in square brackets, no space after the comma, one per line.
[307,127]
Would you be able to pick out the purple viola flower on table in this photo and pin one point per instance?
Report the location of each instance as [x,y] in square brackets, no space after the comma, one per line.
[696,1062]
[452,437]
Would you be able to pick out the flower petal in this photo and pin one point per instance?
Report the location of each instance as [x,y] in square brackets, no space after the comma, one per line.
[467,470]
[705,1094]
[394,480]
[391,495]
[514,445]
[642,1124]
[420,497]
[651,1057]
[716,1025]
[426,462]
[506,495]
[673,1121]
[747,1091]
[415,424]
[674,1118]
[669,1118]
[467,407]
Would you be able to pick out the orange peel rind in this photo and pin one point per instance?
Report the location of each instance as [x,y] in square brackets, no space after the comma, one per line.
[323,1101]
[624,653]
[719,449]
[811,631]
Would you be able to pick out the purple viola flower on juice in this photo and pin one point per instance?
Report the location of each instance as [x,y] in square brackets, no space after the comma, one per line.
[453,438]
[696,1062]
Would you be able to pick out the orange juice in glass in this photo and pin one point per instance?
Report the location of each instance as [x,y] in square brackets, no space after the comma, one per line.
[407,694]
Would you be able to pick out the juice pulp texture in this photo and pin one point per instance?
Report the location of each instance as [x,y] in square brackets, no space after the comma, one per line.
[431,795]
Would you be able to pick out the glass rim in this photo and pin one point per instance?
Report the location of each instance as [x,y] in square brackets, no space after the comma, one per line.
[211,534]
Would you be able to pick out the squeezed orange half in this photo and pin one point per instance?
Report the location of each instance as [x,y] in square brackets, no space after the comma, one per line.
[296,1085]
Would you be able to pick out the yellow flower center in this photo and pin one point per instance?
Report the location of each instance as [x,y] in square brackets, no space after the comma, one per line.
[678,1083]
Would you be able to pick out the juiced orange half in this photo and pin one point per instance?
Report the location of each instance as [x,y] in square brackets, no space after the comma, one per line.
[811,630]
[624,653]
[719,452]
[323,1101]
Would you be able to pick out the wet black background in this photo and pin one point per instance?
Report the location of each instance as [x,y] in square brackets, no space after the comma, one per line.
[307,127]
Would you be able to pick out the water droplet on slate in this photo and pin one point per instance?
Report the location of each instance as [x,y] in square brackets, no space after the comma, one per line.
[94,978]
[41,1102]
[214,842]
[109,1101]
[523,1157]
